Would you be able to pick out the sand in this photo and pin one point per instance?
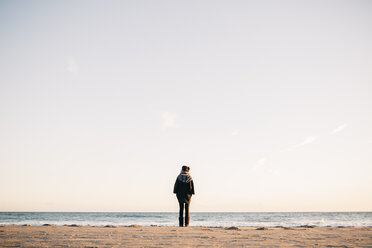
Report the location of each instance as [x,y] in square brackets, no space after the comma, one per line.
[160,236]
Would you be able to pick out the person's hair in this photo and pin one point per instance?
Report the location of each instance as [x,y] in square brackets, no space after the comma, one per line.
[185,168]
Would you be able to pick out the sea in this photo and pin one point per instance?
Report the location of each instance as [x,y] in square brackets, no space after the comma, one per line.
[212,219]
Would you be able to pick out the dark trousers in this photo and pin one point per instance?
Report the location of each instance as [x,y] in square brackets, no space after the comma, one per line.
[185,206]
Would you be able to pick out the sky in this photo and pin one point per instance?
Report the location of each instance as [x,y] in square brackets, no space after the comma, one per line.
[268,102]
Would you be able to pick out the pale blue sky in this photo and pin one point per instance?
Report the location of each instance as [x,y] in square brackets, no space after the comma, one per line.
[268,102]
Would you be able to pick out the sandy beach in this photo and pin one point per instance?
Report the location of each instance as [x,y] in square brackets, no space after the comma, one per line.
[161,236]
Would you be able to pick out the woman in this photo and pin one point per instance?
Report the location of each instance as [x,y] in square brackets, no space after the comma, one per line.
[184,188]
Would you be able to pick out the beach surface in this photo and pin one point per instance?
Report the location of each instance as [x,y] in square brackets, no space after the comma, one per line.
[165,236]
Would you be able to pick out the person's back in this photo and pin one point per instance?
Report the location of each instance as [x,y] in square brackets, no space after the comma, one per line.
[184,188]
[183,185]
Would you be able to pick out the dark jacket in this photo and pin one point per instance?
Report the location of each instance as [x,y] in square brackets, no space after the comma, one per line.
[184,188]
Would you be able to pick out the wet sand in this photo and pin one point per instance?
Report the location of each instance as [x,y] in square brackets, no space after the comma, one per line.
[161,236]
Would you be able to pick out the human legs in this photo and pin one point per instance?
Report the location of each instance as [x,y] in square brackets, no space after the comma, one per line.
[187,217]
[180,218]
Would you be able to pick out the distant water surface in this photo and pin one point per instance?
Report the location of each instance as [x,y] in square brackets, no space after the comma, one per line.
[197,219]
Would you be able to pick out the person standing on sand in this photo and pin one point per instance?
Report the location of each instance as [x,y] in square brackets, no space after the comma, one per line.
[184,189]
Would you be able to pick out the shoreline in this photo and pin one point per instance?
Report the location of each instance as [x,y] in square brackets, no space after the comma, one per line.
[201,226]
[170,236]
[197,219]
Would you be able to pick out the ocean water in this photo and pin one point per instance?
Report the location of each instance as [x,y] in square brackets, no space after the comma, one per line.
[267,219]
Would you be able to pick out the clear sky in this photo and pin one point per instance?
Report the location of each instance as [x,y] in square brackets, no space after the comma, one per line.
[268,102]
